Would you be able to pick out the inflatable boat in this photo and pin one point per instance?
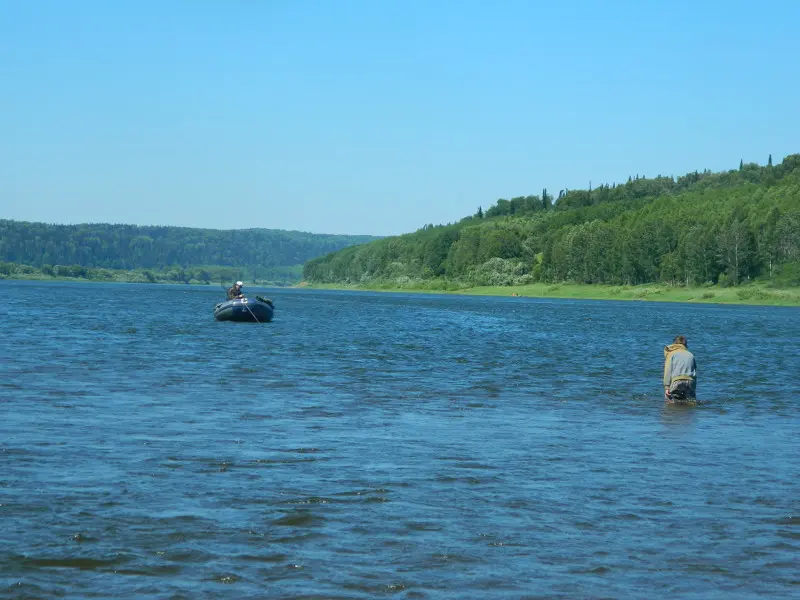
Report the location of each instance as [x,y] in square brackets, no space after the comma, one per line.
[259,310]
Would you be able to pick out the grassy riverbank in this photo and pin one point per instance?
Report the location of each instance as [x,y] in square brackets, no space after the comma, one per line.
[753,294]
[756,294]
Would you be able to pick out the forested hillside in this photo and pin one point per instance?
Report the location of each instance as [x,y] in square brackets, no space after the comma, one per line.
[75,249]
[703,227]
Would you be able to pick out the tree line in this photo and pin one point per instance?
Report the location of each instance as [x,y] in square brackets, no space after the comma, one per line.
[703,227]
[171,253]
[209,275]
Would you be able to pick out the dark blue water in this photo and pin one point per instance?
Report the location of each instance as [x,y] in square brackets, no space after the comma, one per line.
[367,445]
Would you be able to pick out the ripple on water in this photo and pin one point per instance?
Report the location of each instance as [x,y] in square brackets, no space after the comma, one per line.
[72,562]
[367,445]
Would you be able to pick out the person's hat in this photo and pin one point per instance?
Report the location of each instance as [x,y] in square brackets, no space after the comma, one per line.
[239,283]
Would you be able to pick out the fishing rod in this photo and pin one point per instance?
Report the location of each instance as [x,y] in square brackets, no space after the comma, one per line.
[251,312]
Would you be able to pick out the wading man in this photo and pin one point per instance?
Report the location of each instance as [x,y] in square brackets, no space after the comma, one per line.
[680,372]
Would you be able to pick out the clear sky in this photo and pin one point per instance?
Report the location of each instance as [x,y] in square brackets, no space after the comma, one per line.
[375,116]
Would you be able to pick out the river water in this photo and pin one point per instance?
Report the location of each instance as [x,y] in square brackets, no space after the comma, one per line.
[367,445]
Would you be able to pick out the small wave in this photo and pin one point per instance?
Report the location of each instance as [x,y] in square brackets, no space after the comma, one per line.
[255,417]
[298,519]
[81,563]
[151,571]
[286,461]
[309,500]
[381,589]
[189,556]
[422,526]
[224,578]
[265,558]
[600,570]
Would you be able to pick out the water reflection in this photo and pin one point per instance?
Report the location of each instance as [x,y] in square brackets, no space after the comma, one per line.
[679,413]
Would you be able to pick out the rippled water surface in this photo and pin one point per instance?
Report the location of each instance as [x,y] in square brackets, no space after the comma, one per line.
[378,445]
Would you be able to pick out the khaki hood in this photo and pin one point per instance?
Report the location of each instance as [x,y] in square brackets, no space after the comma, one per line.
[673,348]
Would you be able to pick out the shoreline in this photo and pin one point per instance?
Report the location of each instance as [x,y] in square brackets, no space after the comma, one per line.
[752,294]
[194,282]
[747,295]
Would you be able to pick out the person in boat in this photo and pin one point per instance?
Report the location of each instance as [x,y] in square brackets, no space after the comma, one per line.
[235,291]
[680,372]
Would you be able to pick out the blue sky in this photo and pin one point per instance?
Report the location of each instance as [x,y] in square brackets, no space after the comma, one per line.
[375,116]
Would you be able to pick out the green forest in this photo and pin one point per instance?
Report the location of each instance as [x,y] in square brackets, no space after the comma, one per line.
[725,228]
[154,254]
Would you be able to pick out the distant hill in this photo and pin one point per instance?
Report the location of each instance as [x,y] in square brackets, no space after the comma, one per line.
[253,253]
[703,227]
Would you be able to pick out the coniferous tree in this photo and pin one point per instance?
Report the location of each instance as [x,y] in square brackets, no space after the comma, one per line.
[547,200]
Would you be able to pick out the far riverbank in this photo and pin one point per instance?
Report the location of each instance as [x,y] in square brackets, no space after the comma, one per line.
[751,294]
